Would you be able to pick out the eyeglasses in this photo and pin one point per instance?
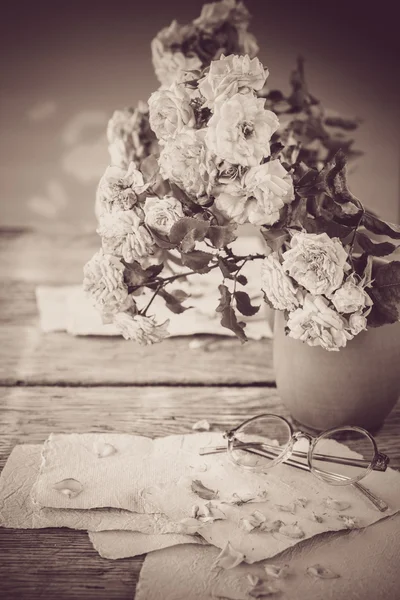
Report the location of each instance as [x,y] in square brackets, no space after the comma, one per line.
[268,440]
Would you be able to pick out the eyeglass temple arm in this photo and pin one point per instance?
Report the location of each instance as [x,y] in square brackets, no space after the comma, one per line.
[380,465]
[377,502]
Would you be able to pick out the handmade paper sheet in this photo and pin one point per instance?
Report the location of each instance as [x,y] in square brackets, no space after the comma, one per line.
[364,562]
[124,544]
[168,476]
[67,308]
[17,510]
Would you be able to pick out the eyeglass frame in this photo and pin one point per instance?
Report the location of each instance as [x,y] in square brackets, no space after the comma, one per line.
[379,461]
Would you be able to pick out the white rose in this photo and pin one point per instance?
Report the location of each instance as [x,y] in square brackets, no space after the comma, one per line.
[258,196]
[124,234]
[129,135]
[357,323]
[104,282]
[162,213]
[277,286]
[318,325]
[119,188]
[229,75]
[215,14]
[316,262]
[241,129]
[143,330]
[350,298]
[170,111]
[186,162]
[168,65]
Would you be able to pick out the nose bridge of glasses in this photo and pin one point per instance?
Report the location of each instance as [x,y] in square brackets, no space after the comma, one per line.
[301,435]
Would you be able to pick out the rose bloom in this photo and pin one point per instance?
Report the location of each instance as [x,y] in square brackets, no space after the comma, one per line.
[357,323]
[350,297]
[215,14]
[229,75]
[186,162]
[316,262]
[119,188]
[104,282]
[240,130]
[170,111]
[277,286]
[162,213]
[257,196]
[143,330]
[168,65]
[124,234]
[129,135]
[318,325]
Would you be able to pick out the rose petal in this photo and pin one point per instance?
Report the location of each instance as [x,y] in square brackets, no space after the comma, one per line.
[321,572]
[336,504]
[202,425]
[103,450]
[277,571]
[292,531]
[202,491]
[69,487]
[228,558]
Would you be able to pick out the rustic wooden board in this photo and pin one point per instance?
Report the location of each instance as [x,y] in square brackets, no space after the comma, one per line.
[62,564]
[29,415]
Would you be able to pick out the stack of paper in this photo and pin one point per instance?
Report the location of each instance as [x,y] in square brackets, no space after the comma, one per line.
[135,495]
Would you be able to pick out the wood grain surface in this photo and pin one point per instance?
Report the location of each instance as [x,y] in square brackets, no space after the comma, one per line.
[57,383]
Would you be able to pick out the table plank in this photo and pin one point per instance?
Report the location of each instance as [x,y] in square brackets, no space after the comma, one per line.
[29,415]
[61,563]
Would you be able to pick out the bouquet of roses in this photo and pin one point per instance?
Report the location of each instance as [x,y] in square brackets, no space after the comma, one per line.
[220,165]
[306,129]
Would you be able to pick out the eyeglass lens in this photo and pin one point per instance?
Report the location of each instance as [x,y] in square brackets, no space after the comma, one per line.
[258,443]
[332,458]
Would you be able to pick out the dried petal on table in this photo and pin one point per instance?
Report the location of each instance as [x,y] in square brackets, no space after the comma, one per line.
[292,531]
[253,579]
[336,504]
[189,526]
[277,571]
[102,450]
[202,425]
[202,491]
[228,558]
[301,501]
[254,521]
[317,518]
[271,527]
[320,572]
[69,487]
[350,522]
[262,589]
[214,512]
[289,508]
[240,499]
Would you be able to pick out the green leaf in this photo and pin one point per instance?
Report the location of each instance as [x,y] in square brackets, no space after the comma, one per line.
[229,321]
[241,279]
[180,295]
[222,235]
[336,180]
[346,124]
[226,267]
[375,225]
[385,293]
[383,249]
[202,491]
[154,270]
[275,238]
[134,275]
[187,231]
[184,199]
[225,298]
[244,305]
[172,302]
[197,260]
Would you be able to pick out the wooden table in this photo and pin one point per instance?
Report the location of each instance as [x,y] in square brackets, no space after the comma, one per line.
[57,383]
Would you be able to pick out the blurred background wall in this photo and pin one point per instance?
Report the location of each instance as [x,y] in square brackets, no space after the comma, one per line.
[67,65]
